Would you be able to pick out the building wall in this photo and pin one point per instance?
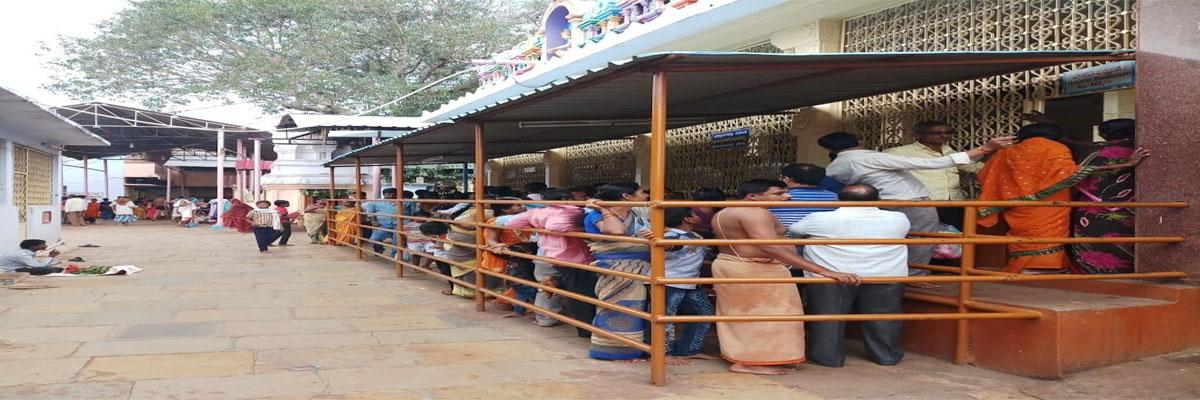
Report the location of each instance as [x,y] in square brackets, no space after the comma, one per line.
[47,179]
[983,108]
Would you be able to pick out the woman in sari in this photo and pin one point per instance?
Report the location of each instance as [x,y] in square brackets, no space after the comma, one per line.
[500,239]
[619,256]
[1038,168]
[344,229]
[463,254]
[92,212]
[235,218]
[139,210]
[314,221]
[1110,186]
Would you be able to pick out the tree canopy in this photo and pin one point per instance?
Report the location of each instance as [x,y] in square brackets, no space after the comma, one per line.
[311,55]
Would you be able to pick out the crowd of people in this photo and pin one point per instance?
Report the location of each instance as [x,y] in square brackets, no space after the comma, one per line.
[1037,163]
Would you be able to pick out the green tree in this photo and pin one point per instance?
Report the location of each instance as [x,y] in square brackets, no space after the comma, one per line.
[311,55]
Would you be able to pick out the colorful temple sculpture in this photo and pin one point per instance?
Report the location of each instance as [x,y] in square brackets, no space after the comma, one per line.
[573,24]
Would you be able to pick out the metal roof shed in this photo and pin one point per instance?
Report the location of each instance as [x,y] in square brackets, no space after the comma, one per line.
[134,130]
[615,101]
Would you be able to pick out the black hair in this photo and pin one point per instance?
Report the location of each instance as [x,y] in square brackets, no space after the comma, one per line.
[498,208]
[434,228]
[708,194]
[859,192]
[389,190]
[674,216]
[586,189]
[282,203]
[1042,130]
[675,196]
[362,195]
[31,243]
[804,174]
[455,196]
[535,187]
[757,186]
[407,194]
[263,201]
[615,191]
[926,125]
[422,213]
[1117,129]
[556,194]
[838,141]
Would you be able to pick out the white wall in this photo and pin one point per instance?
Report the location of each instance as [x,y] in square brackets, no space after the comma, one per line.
[9,234]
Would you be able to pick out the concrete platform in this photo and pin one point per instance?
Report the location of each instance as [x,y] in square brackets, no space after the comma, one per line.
[1084,325]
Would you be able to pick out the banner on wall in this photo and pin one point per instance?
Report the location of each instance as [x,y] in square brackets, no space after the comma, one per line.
[729,139]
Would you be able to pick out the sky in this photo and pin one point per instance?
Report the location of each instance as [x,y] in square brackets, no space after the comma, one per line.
[25,25]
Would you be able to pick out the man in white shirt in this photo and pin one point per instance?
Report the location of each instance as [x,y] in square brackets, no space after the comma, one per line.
[889,175]
[881,339]
[933,141]
[75,206]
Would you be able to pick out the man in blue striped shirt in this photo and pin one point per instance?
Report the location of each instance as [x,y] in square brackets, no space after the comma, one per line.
[803,182]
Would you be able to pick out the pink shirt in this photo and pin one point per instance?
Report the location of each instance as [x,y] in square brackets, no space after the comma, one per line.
[557,218]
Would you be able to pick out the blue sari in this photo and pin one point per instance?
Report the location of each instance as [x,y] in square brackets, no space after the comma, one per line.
[625,257]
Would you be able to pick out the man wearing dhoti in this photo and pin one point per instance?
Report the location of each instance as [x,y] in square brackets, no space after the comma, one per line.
[757,347]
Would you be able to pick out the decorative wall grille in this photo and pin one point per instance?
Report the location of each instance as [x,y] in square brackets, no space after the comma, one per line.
[983,108]
[601,162]
[33,180]
[524,168]
[692,162]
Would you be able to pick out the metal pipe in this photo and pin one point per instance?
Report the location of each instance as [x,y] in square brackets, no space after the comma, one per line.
[658,175]
[921,241]
[931,278]
[87,193]
[257,171]
[357,195]
[329,211]
[962,339]
[398,182]
[846,317]
[974,304]
[480,217]
[221,175]
[107,194]
[921,203]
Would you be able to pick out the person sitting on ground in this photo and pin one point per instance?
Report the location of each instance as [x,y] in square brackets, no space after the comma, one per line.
[187,211]
[685,340]
[881,339]
[25,260]
[755,347]
[265,221]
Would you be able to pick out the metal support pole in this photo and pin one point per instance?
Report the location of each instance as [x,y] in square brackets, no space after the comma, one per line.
[658,254]
[221,175]
[107,194]
[376,177]
[238,177]
[480,217]
[257,171]
[358,205]
[86,193]
[401,239]
[169,202]
[329,202]
[464,176]
[962,341]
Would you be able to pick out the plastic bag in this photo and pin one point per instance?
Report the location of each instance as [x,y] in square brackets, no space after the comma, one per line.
[945,250]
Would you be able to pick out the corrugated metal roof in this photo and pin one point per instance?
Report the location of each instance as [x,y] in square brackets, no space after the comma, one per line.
[22,115]
[614,101]
[307,122]
[133,130]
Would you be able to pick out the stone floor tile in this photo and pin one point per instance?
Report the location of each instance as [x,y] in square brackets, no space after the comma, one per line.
[248,314]
[476,334]
[69,391]
[39,371]
[475,352]
[55,334]
[523,391]
[168,330]
[157,366]
[283,385]
[147,295]
[346,301]
[154,346]
[26,351]
[330,358]
[398,323]
[41,309]
[291,327]
[317,340]
[39,320]
[336,312]
[408,378]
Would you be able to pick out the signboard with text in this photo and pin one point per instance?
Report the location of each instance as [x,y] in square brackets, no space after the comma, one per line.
[1099,78]
[729,139]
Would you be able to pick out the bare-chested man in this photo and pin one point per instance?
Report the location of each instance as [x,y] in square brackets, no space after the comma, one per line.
[755,347]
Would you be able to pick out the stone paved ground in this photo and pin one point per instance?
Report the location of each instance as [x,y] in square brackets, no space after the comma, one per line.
[210,319]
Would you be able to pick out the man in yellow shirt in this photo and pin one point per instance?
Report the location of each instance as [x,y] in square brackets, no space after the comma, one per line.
[933,141]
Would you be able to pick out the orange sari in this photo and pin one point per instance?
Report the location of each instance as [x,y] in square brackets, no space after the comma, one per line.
[1036,169]
[496,262]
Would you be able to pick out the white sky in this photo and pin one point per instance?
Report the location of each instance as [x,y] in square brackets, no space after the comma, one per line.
[24,25]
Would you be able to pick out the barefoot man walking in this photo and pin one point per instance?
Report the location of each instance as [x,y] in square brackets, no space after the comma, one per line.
[758,347]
